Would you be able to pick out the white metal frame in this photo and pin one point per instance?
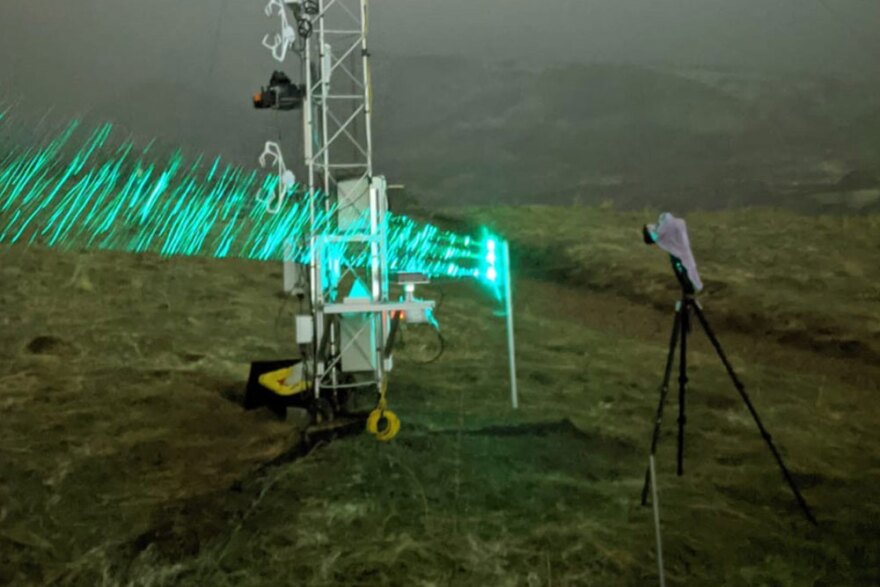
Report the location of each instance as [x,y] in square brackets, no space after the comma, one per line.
[337,146]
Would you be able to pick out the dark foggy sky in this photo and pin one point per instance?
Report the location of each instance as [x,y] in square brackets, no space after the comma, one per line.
[83,55]
[836,36]
[72,38]
[817,35]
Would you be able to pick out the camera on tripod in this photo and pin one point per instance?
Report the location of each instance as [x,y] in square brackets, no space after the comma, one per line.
[281,94]
[670,234]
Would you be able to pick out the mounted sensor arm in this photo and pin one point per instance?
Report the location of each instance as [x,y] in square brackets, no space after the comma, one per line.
[286,178]
[283,41]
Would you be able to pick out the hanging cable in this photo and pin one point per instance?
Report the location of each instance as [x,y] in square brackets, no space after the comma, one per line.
[442,344]
[305,28]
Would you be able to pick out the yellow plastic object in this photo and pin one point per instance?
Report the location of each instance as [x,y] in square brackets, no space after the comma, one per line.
[274,382]
[391,429]
[392,422]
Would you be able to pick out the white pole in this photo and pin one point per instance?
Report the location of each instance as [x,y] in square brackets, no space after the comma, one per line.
[656,504]
[511,343]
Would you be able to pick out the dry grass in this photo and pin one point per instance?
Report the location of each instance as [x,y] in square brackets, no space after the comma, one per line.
[131,480]
[811,281]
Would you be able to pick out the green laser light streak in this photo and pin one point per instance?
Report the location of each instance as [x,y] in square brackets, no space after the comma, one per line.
[96,194]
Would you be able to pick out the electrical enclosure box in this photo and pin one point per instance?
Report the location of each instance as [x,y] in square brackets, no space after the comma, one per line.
[357,343]
[353,197]
[305,329]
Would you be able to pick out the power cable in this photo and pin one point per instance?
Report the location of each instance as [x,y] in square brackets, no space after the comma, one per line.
[442,348]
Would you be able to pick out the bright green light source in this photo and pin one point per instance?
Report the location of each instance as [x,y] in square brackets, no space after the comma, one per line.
[492,271]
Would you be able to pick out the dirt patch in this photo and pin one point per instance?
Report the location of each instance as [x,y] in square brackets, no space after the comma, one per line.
[50,345]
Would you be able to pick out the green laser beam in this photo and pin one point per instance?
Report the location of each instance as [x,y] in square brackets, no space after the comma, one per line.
[93,193]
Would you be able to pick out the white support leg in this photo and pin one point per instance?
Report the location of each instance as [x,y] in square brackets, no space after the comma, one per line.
[511,341]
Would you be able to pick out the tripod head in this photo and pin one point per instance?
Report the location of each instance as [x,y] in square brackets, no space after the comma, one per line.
[687,287]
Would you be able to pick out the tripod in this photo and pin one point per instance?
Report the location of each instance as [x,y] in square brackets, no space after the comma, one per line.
[680,331]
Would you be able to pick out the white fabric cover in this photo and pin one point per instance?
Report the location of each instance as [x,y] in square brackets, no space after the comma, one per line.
[671,235]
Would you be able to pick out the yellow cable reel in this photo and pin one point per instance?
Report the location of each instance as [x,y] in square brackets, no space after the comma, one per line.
[392,422]
[391,429]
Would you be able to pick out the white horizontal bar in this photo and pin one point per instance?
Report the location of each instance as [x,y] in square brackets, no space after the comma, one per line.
[377,307]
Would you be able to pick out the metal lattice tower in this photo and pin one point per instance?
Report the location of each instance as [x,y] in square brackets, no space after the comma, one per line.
[338,156]
[337,137]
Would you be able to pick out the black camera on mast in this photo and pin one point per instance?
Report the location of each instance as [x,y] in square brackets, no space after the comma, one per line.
[281,94]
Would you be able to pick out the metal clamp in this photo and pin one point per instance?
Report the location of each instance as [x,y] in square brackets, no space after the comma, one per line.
[284,40]
[286,178]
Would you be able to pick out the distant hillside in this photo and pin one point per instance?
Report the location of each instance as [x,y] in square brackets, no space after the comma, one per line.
[768,273]
[475,133]
[463,132]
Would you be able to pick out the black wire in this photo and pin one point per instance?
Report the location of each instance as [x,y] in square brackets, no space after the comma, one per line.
[304,28]
[440,301]
[436,357]
[441,351]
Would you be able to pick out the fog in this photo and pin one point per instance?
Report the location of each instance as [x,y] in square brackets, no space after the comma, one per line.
[183,71]
[839,37]
[81,46]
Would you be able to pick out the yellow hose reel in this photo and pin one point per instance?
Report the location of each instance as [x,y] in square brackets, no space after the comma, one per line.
[382,414]
[381,423]
[391,427]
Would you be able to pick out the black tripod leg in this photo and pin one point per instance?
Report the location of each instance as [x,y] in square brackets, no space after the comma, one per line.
[664,390]
[745,396]
[682,381]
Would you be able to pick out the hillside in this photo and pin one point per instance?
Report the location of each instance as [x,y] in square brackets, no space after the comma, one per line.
[804,281]
[461,132]
[127,459]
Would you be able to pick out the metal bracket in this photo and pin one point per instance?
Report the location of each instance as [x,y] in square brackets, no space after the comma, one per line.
[286,178]
[282,41]
[368,307]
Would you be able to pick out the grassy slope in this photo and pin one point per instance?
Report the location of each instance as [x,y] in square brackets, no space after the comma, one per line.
[470,493]
[114,372]
[808,281]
